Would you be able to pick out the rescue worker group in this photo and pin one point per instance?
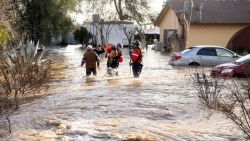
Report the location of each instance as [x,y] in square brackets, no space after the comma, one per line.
[91,58]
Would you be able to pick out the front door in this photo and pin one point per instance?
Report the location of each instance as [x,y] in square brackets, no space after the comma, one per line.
[167,34]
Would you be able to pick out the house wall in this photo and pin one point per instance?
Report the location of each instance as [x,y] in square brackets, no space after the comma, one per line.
[170,21]
[116,32]
[213,34]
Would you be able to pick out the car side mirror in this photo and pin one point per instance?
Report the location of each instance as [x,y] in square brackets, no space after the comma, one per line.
[235,56]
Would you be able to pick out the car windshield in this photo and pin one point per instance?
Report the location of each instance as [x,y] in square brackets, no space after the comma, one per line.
[243,60]
[187,50]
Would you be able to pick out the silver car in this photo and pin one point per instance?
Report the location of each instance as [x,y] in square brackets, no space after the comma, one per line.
[203,55]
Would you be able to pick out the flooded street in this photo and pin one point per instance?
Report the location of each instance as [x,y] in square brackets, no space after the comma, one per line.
[161,105]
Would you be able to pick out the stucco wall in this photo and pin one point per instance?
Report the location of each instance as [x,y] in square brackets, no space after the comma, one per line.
[170,21]
[213,34]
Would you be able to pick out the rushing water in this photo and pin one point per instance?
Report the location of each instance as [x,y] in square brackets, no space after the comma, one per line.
[160,105]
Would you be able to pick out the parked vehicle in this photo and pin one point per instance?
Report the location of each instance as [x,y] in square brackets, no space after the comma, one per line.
[203,55]
[238,68]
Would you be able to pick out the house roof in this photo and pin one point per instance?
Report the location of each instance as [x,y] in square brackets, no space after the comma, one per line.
[214,11]
[161,15]
[229,11]
[151,31]
[115,22]
[110,22]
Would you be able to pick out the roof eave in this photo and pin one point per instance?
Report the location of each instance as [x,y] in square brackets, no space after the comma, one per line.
[161,15]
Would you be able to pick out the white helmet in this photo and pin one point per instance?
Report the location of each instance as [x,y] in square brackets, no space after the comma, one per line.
[89,47]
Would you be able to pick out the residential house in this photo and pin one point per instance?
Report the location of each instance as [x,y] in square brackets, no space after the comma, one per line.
[111,31]
[214,22]
[150,32]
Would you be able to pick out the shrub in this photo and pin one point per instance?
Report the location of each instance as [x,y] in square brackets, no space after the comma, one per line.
[22,73]
[229,96]
[237,104]
[208,90]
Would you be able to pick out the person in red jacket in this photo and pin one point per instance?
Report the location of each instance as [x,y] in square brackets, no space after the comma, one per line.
[136,58]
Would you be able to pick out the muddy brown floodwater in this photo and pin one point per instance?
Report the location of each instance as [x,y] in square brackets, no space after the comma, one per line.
[161,105]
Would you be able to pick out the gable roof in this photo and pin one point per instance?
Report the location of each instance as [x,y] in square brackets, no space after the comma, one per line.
[161,15]
[215,11]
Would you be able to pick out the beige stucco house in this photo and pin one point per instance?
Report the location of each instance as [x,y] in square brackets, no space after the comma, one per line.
[213,22]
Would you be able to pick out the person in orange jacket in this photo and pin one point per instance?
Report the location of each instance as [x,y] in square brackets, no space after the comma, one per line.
[108,48]
[112,58]
[136,58]
[115,56]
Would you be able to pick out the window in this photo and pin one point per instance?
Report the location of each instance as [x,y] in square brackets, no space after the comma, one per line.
[187,50]
[207,52]
[224,53]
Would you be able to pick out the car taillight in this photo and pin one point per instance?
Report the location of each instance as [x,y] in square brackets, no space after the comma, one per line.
[177,57]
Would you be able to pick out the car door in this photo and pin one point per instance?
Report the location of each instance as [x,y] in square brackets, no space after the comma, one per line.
[207,56]
[225,56]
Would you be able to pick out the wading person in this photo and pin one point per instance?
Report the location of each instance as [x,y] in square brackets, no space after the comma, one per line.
[119,57]
[112,62]
[90,58]
[136,58]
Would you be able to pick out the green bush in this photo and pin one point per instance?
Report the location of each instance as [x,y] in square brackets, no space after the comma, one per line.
[5,36]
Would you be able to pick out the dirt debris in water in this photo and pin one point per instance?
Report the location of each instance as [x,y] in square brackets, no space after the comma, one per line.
[140,137]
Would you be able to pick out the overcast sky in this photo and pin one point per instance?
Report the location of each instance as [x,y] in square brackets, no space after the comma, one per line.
[155,4]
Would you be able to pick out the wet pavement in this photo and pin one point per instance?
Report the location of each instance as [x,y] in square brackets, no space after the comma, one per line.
[161,105]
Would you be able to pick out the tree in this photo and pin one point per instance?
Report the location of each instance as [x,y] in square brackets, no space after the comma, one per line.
[21,71]
[132,10]
[66,27]
[82,35]
[9,23]
[186,20]
[46,18]
[105,28]
[129,31]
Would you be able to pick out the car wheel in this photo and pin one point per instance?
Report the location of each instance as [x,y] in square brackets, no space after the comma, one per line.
[194,64]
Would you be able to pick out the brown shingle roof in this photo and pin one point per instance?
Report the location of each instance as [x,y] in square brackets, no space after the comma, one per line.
[216,11]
